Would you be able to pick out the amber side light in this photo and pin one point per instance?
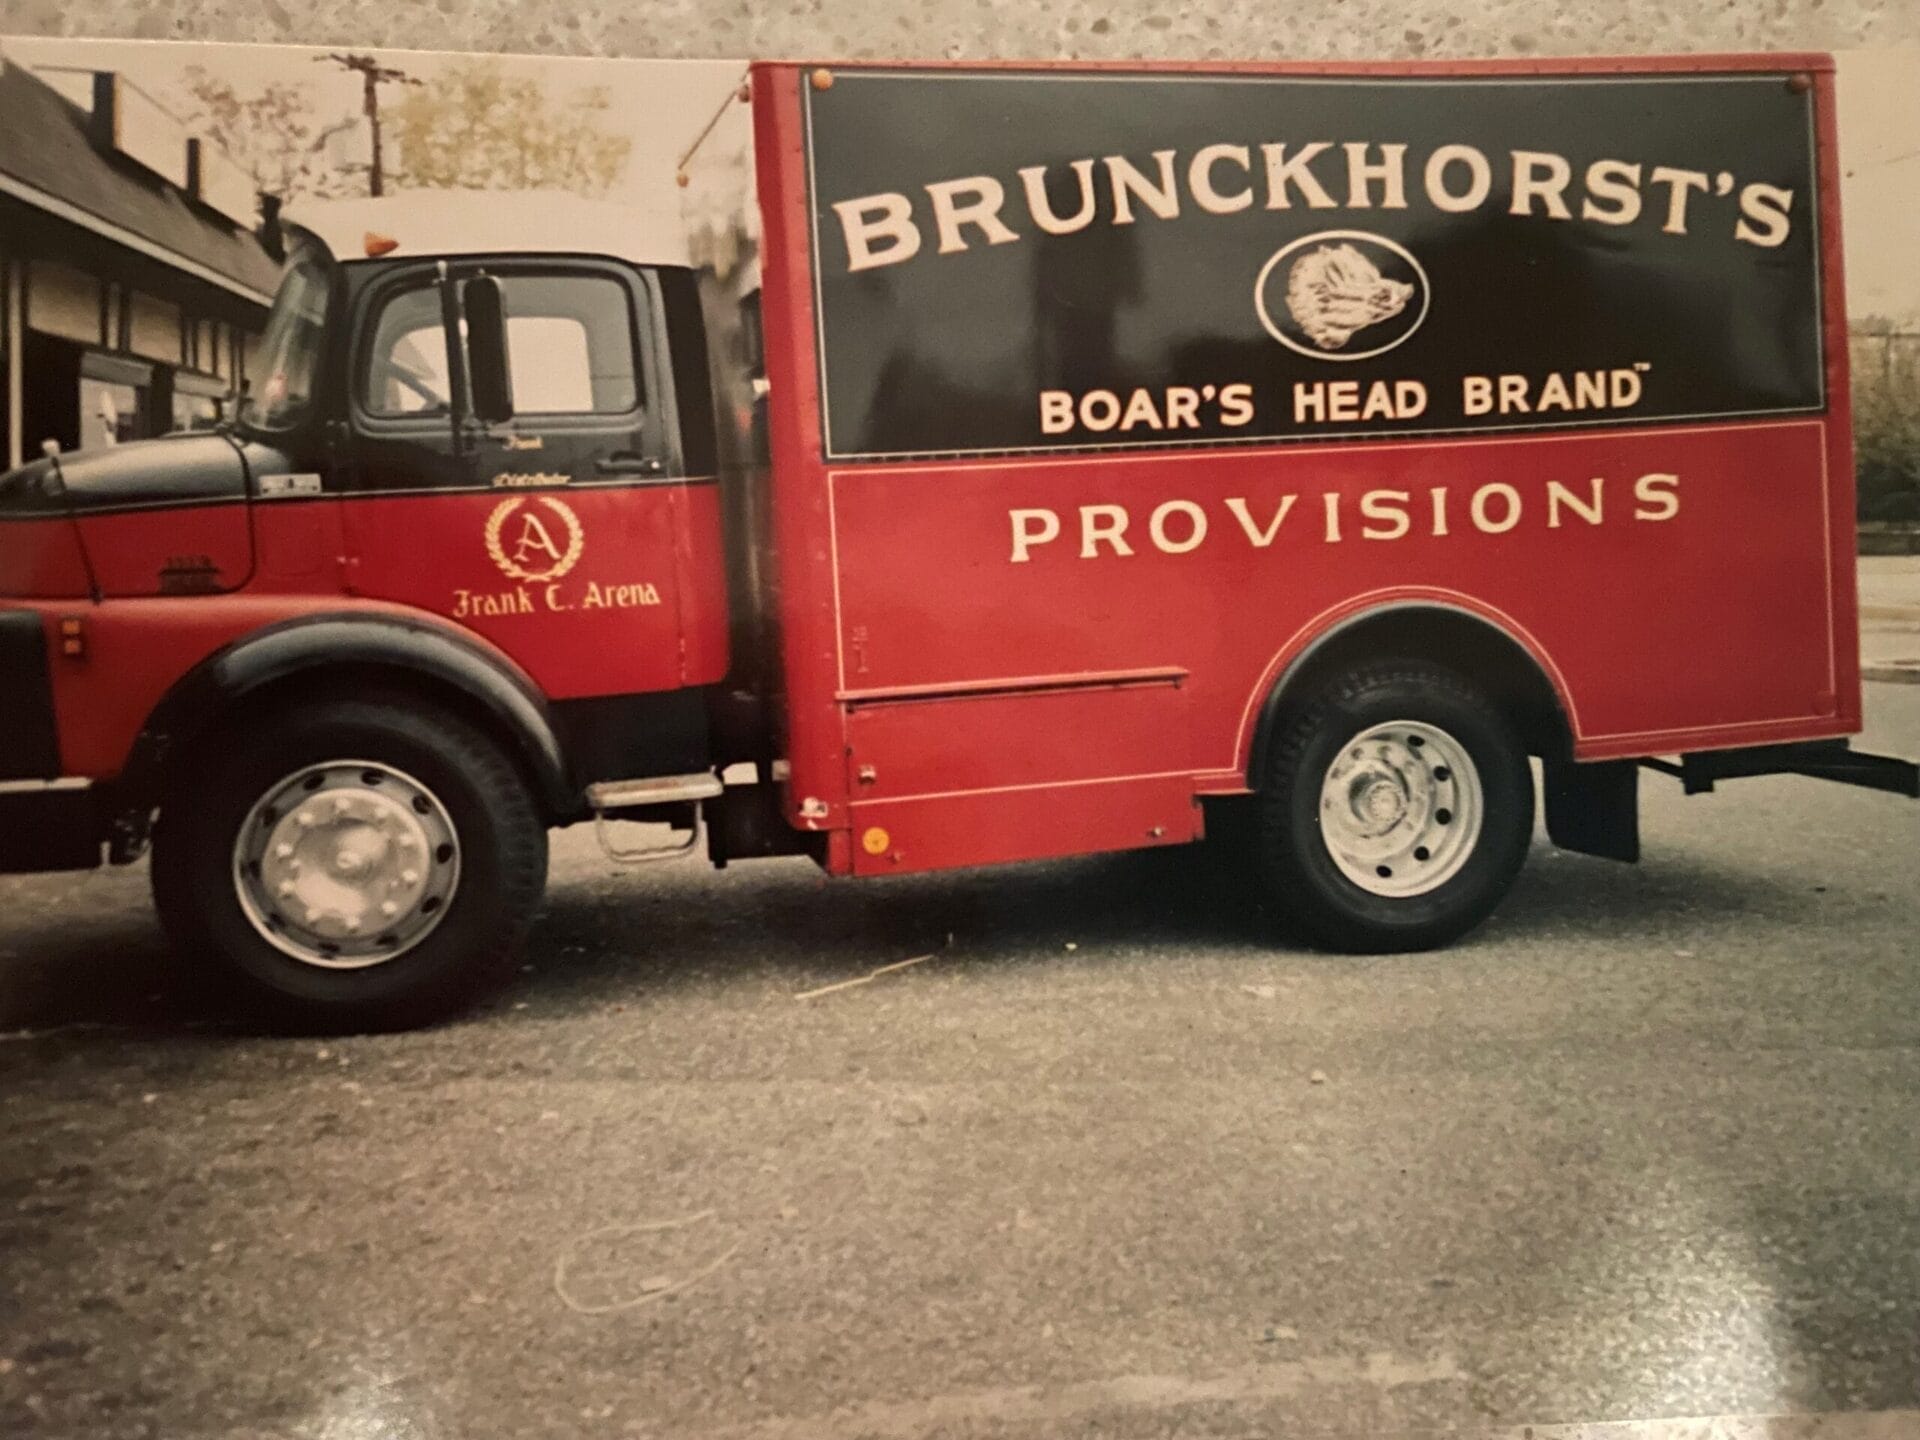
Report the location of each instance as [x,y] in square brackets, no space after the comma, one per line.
[378,245]
[73,637]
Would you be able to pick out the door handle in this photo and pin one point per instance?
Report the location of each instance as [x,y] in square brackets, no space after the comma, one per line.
[625,462]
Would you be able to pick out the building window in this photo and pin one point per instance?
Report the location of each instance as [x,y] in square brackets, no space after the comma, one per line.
[196,402]
[64,302]
[115,401]
[109,412]
[155,329]
[195,412]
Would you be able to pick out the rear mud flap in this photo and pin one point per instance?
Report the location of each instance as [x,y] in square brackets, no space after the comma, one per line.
[1594,809]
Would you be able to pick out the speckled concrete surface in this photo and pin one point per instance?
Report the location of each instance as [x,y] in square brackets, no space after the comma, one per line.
[973,28]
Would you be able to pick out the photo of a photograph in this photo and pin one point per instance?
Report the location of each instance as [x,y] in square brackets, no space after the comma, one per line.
[783,747]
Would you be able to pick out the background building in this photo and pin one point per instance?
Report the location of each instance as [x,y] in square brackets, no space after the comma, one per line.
[131,277]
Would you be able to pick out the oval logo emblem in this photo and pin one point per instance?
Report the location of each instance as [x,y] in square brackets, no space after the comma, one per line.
[1341,295]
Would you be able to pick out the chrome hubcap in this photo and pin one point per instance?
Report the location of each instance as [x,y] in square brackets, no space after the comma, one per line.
[1401,808]
[346,864]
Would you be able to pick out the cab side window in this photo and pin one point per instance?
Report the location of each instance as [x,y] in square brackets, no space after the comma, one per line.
[571,348]
[406,371]
[570,345]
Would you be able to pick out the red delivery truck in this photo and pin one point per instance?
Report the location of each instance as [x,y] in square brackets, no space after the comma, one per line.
[1067,459]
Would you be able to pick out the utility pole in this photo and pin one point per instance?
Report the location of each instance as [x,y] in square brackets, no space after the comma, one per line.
[372,76]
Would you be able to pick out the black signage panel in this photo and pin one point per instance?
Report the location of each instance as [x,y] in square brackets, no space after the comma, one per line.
[1026,261]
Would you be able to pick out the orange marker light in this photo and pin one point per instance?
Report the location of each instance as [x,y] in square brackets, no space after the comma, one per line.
[378,245]
[73,637]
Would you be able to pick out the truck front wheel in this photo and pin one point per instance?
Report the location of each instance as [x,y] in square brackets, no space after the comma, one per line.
[353,865]
[1396,810]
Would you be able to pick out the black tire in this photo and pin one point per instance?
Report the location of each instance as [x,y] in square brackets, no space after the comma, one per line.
[472,947]
[1295,856]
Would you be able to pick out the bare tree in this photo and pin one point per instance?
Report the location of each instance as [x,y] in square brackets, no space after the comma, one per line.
[276,135]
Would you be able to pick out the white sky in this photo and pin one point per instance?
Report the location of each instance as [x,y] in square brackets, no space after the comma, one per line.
[1880,184]
[663,104]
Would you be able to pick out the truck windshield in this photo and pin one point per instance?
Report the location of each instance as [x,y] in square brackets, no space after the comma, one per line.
[289,356]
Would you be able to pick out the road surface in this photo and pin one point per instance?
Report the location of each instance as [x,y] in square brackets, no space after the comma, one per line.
[1113,1162]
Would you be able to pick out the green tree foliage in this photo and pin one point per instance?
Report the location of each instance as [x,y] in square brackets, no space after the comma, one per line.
[474,126]
[1886,419]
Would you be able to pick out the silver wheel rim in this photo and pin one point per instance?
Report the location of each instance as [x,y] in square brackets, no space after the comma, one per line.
[346,864]
[1401,808]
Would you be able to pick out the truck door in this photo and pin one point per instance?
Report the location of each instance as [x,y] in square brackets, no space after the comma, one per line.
[552,533]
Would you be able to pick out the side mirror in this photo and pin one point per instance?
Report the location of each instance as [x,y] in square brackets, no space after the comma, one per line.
[487,350]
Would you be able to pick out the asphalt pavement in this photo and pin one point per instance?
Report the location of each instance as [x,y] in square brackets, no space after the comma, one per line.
[1114,1161]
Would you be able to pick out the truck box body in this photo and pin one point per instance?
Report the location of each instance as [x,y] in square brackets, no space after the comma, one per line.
[1100,398]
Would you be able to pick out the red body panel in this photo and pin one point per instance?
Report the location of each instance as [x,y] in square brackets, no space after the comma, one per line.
[584,633]
[1712,611]
[42,560]
[137,649]
[161,551]
[1621,613]
[608,624]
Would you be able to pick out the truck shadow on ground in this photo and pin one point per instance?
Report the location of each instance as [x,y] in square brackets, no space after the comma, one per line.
[1125,909]
[91,954]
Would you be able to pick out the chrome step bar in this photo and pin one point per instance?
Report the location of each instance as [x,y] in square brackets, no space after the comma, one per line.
[654,790]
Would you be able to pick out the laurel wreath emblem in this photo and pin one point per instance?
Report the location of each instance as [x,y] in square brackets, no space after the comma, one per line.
[505,510]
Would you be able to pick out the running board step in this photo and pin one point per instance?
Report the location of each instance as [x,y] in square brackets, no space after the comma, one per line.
[656,790]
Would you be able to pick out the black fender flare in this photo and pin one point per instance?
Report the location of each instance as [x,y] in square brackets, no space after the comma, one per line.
[497,692]
[1395,623]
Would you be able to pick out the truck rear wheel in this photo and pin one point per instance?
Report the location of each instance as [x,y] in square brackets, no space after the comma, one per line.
[1396,810]
[357,865]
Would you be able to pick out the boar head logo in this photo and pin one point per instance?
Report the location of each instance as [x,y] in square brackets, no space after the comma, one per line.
[1320,292]
[1334,290]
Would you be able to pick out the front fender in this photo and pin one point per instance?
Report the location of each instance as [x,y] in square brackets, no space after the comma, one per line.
[423,656]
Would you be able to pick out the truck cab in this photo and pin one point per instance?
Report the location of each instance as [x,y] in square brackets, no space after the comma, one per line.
[471,492]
